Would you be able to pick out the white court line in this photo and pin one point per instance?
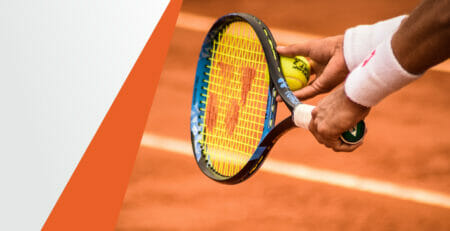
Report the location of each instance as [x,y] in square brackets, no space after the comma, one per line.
[304,172]
[200,23]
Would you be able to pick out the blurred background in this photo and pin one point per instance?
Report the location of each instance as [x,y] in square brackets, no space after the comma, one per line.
[407,146]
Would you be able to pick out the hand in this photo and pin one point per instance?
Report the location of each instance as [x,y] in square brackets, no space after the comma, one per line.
[328,64]
[335,114]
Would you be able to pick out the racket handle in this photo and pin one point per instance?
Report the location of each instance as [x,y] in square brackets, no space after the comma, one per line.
[302,118]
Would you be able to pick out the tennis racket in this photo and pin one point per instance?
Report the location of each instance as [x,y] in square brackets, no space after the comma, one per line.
[233,108]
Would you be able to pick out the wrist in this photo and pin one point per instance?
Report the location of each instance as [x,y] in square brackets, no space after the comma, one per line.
[361,40]
[354,104]
[377,77]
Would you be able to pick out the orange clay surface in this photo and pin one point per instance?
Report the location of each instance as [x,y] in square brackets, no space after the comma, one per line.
[408,143]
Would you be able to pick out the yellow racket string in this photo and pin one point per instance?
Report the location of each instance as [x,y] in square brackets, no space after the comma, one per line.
[236,99]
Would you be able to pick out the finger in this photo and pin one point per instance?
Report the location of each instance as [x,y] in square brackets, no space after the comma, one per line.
[315,67]
[330,77]
[329,142]
[343,147]
[295,49]
[304,93]
[326,141]
[308,92]
[336,70]
[278,99]
[313,129]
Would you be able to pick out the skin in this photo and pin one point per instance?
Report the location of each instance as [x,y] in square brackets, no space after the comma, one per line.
[422,41]
[328,64]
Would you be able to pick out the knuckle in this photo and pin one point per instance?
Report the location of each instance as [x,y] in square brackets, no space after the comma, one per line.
[319,138]
[323,129]
[314,112]
[319,87]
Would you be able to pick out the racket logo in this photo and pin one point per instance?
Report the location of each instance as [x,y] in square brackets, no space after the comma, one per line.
[282,83]
[232,117]
[227,73]
[211,112]
[353,131]
[248,74]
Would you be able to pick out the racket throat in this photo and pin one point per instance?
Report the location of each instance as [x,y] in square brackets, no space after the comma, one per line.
[272,137]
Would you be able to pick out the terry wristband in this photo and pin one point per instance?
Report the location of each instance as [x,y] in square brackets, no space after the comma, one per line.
[360,40]
[379,75]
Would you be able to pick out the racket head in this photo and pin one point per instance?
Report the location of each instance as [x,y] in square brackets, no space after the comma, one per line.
[233,106]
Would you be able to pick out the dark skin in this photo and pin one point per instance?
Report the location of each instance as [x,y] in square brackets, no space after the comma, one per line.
[422,41]
[427,31]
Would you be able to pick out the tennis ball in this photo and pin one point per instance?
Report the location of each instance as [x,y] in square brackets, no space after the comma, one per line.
[296,71]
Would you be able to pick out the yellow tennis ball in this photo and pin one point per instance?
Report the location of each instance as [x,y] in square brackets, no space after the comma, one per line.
[296,71]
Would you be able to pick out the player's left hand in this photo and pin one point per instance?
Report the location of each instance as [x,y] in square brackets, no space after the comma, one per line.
[328,64]
[333,115]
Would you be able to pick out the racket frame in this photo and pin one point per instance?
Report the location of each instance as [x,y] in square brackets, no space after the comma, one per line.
[200,90]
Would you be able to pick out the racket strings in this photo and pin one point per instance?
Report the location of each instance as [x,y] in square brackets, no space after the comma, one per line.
[236,99]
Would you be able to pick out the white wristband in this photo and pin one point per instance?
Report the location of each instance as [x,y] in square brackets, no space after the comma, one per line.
[379,75]
[360,40]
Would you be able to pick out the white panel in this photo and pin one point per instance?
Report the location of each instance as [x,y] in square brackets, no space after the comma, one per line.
[61,65]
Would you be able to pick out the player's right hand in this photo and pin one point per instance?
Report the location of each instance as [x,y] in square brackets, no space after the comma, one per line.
[332,116]
[328,64]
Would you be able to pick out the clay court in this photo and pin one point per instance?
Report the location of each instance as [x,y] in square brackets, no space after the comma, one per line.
[398,180]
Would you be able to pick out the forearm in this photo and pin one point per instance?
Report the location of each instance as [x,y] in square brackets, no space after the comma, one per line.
[423,40]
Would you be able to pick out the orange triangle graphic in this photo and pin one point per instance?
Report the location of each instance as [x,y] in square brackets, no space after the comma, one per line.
[93,196]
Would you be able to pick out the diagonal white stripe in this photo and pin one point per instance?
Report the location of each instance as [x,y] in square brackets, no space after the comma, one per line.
[324,176]
[200,23]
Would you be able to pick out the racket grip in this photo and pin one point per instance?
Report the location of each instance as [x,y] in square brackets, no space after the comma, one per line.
[302,118]
[302,115]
